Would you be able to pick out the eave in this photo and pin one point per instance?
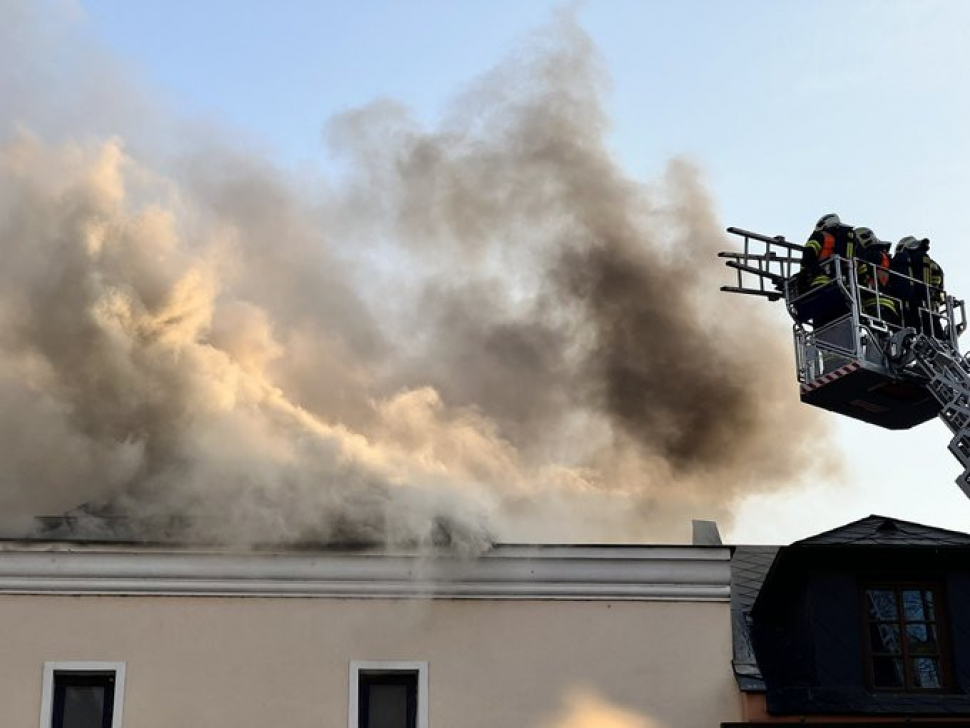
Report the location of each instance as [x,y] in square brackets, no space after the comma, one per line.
[642,573]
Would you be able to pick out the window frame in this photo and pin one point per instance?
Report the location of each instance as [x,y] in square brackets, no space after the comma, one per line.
[940,622]
[377,667]
[51,669]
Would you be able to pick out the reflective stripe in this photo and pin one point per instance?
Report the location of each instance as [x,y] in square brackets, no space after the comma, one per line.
[820,281]
[887,303]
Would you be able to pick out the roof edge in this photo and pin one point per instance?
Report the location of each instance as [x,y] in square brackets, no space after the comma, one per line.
[637,573]
[809,540]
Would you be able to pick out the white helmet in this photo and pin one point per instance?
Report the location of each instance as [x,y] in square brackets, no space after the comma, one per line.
[907,243]
[865,236]
[827,222]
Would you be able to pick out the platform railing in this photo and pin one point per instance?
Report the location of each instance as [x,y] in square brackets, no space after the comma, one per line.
[860,332]
[850,318]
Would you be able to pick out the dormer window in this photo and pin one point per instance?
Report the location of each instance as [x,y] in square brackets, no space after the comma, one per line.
[903,637]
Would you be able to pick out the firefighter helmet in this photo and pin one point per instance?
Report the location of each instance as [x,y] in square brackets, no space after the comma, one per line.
[865,236]
[907,243]
[827,222]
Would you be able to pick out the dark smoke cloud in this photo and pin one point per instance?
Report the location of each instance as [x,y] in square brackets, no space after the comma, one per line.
[487,329]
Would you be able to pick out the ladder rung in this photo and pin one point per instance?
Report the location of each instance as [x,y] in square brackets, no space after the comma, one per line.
[773,277]
[765,239]
[770,295]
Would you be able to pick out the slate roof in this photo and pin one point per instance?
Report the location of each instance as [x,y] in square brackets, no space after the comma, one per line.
[750,566]
[884,531]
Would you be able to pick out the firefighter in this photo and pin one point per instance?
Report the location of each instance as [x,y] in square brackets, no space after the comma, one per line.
[873,263]
[904,285]
[922,288]
[830,238]
[883,248]
[932,288]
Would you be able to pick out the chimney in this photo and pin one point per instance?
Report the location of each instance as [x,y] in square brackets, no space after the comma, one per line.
[705,533]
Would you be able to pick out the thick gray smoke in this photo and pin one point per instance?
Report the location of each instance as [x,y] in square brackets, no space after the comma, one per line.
[482,330]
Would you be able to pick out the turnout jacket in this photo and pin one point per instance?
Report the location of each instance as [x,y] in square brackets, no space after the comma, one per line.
[823,245]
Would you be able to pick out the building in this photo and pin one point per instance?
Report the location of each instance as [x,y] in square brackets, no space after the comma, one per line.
[867,624]
[143,635]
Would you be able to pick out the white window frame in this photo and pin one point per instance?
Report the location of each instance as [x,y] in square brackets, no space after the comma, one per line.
[365,666]
[47,695]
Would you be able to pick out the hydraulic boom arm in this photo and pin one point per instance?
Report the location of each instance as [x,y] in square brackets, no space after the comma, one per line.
[949,380]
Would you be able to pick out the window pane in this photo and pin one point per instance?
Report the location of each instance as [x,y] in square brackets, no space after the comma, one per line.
[83,706]
[918,604]
[885,638]
[887,672]
[882,604]
[388,706]
[926,673]
[921,639]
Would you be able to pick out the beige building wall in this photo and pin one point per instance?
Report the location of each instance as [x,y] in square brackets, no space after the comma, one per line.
[231,662]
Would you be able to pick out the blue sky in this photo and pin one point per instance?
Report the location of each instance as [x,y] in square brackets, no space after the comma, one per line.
[791,109]
[853,106]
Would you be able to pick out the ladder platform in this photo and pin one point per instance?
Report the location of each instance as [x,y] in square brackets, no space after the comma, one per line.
[871,396]
[871,343]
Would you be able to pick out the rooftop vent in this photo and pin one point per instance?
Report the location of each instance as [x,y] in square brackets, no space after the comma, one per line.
[705,533]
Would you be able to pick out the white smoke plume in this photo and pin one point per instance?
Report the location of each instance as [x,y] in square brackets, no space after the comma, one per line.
[484,330]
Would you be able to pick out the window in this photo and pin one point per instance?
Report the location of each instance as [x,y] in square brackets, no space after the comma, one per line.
[903,637]
[388,695]
[82,694]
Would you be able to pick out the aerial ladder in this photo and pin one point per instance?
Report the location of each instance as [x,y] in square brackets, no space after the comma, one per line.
[862,360]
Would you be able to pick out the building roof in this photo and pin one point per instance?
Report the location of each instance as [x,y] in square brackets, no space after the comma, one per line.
[751,565]
[88,552]
[884,531]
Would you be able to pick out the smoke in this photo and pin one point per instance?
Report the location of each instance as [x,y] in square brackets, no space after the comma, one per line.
[481,330]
